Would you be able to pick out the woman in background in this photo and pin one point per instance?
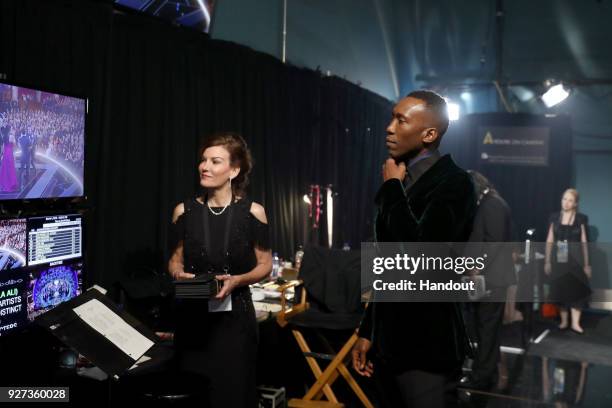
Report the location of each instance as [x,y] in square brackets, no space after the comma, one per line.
[567,260]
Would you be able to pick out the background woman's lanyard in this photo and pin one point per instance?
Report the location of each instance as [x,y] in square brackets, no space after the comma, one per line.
[226,235]
[563,235]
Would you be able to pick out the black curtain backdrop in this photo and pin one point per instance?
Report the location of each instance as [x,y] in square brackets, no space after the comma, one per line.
[156,90]
[532,192]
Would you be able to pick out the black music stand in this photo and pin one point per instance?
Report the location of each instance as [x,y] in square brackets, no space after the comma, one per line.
[68,327]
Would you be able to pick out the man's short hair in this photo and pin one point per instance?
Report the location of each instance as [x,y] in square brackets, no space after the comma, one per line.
[435,104]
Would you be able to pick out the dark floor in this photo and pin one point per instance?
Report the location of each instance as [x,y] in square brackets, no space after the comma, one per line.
[558,369]
[542,367]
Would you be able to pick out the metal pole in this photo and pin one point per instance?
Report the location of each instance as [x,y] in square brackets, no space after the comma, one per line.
[499,40]
[284,51]
[499,19]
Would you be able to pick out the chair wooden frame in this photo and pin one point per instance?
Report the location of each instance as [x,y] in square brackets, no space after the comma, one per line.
[324,378]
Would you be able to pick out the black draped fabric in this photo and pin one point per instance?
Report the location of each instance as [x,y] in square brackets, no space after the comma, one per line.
[156,90]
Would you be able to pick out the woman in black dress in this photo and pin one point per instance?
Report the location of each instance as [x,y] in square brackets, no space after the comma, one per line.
[567,260]
[224,233]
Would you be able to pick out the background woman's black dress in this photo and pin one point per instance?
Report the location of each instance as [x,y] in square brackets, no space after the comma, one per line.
[569,284]
[221,346]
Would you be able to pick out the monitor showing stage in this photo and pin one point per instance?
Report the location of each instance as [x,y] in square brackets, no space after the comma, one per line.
[42,141]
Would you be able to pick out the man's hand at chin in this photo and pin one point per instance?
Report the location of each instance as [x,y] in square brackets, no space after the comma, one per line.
[391,170]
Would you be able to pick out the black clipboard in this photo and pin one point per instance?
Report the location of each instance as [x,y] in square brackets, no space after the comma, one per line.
[69,328]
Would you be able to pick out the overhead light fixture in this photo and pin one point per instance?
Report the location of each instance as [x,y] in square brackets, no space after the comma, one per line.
[454,110]
[555,95]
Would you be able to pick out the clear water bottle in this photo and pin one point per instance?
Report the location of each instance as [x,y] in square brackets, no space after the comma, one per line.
[299,254]
[275,265]
[559,381]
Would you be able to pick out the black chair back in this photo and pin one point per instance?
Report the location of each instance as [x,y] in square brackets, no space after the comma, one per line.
[332,280]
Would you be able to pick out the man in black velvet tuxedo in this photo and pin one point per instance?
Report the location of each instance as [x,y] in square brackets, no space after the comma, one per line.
[415,350]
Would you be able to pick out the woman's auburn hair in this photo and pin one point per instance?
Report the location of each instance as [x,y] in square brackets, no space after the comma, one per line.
[240,156]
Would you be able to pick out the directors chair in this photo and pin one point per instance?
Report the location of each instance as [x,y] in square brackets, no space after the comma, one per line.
[329,300]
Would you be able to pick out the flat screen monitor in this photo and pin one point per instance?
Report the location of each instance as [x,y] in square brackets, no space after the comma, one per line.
[26,293]
[41,266]
[54,238]
[196,14]
[51,285]
[42,144]
[12,243]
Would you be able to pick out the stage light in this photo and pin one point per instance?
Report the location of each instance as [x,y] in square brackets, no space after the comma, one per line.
[453,110]
[306,199]
[466,96]
[555,95]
